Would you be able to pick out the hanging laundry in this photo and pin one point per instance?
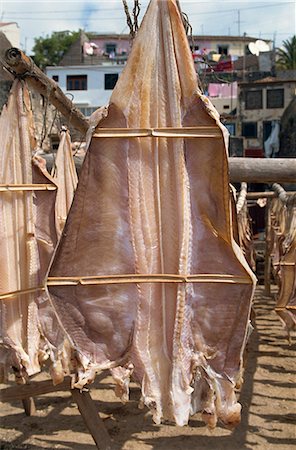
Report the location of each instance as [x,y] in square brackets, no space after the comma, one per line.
[147,279]
[272,143]
[223,90]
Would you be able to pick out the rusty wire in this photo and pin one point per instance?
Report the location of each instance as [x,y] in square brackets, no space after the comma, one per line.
[136,12]
[133,23]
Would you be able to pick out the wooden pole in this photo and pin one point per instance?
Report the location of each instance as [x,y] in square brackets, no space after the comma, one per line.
[266,194]
[92,419]
[34,388]
[83,399]
[262,170]
[267,259]
[29,406]
[23,66]
[240,171]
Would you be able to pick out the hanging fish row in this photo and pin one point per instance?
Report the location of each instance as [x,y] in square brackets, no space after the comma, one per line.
[147,279]
[33,210]
[282,248]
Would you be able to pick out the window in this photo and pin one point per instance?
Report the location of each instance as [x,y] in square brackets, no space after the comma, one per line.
[249,129]
[253,99]
[111,49]
[87,110]
[275,98]
[54,142]
[76,82]
[55,78]
[110,80]
[231,128]
[223,49]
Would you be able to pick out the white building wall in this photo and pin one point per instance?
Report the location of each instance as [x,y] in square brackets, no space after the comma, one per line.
[95,95]
[12,32]
[224,105]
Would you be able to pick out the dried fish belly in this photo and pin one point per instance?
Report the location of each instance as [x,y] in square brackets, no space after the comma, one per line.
[147,279]
[65,176]
[30,331]
[20,265]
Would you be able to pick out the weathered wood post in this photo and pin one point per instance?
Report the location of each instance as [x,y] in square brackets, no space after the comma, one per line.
[267,258]
[23,66]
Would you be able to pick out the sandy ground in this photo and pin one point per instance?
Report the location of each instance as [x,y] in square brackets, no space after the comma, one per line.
[268,397]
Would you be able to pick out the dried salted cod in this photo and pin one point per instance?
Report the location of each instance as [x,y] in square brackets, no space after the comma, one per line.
[147,275]
[28,237]
[65,176]
[286,299]
[245,236]
[19,258]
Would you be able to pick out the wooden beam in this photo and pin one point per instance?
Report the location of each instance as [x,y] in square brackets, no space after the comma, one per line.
[29,406]
[83,400]
[23,66]
[34,388]
[267,258]
[280,192]
[92,419]
[250,170]
[266,194]
[262,170]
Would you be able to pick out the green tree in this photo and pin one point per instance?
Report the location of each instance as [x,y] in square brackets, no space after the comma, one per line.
[286,56]
[49,51]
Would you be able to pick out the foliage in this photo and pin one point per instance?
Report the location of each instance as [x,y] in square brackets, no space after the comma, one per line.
[49,51]
[286,56]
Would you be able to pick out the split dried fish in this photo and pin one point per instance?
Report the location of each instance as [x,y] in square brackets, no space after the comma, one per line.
[147,279]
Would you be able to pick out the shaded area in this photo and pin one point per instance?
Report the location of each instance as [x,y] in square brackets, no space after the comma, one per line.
[267,397]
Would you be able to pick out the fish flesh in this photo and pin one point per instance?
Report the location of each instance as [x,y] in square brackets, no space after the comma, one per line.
[245,235]
[283,238]
[147,280]
[65,176]
[22,266]
[29,330]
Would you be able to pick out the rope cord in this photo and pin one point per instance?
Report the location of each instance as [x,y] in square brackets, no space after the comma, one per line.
[133,24]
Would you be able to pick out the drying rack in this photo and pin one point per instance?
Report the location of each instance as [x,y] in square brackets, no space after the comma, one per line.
[27,392]
[86,406]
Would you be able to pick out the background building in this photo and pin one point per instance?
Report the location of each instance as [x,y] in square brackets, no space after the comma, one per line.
[11,31]
[260,109]
[90,68]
